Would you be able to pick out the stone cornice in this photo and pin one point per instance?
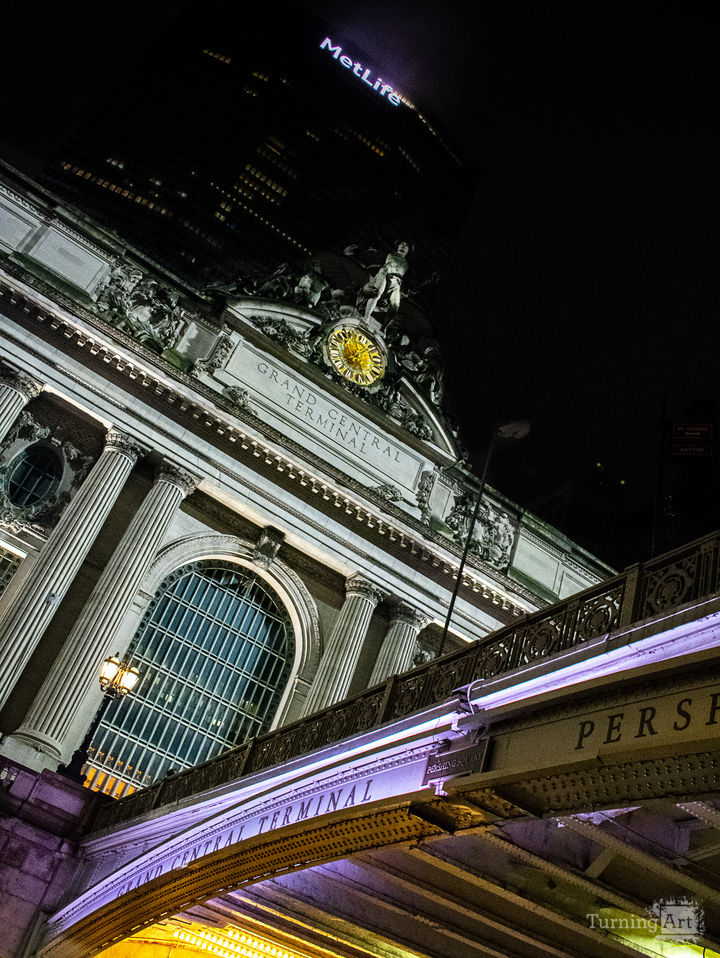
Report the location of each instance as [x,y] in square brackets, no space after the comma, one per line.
[204,408]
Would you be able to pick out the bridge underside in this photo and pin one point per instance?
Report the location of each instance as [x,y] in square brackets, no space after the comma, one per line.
[587,826]
[484,877]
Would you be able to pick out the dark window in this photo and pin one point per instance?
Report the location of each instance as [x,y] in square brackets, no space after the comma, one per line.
[33,476]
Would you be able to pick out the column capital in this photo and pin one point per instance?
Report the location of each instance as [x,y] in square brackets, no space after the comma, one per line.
[409,615]
[357,585]
[116,441]
[27,386]
[169,472]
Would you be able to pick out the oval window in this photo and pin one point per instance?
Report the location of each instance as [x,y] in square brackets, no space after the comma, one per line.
[33,476]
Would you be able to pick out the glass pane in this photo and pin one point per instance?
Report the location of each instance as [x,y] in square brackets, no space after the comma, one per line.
[33,476]
[215,649]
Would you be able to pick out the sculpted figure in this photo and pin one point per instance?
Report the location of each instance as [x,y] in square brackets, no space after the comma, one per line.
[117,290]
[387,281]
[311,286]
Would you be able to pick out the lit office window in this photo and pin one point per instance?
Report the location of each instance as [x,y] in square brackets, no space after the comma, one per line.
[33,476]
[215,650]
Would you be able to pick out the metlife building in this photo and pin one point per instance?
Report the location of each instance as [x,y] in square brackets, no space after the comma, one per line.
[229,151]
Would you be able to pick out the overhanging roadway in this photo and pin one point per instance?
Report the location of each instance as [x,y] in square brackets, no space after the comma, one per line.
[614,737]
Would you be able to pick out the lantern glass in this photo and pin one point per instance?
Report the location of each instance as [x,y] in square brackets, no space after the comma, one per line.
[128,680]
[109,670]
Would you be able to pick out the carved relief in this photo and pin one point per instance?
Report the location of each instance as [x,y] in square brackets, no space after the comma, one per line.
[267,547]
[218,355]
[29,388]
[149,311]
[119,442]
[425,488]
[238,396]
[493,534]
[169,472]
[410,616]
[388,492]
[357,585]
[280,330]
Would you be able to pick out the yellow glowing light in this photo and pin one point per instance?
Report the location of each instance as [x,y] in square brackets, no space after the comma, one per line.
[355,355]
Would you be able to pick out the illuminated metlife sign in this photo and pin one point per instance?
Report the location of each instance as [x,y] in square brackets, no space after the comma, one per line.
[366,75]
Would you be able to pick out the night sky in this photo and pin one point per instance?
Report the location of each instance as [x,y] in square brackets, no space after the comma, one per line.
[584,293]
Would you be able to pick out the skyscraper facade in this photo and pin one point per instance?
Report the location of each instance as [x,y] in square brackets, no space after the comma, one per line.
[226,148]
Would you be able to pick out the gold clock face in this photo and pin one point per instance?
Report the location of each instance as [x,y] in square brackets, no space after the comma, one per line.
[355,356]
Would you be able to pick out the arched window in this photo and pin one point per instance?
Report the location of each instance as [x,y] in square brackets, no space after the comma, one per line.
[215,649]
[33,475]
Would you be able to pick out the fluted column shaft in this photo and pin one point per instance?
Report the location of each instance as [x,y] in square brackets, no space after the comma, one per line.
[16,391]
[397,647]
[33,605]
[75,673]
[342,651]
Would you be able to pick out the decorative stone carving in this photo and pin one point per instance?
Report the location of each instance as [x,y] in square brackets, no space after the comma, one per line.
[383,290]
[26,429]
[16,391]
[238,396]
[147,310]
[458,518]
[39,517]
[408,615]
[218,355]
[311,286]
[424,370]
[168,472]
[119,442]
[267,547]
[357,585]
[415,423]
[280,330]
[424,491]
[390,399]
[426,648]
[388,492]
[493,534]
[28,387]
[493,537]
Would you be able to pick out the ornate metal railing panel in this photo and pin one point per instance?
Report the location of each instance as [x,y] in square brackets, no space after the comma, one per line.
[642,591]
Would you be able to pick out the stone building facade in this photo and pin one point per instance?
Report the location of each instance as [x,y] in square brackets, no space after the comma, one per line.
[278,447]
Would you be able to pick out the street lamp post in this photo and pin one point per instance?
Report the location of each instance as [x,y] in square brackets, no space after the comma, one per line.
[511,430]
[116,680]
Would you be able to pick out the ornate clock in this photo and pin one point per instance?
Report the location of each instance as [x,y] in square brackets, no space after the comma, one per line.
[355,355]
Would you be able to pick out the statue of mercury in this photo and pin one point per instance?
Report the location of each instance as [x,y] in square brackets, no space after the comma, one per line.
[387,280]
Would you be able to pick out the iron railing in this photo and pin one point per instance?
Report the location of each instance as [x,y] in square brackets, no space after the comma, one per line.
[641,591]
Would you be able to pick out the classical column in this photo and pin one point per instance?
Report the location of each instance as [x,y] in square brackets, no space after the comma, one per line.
[342,650]
[74,675]
[33,605]
[16,391]
[397,647]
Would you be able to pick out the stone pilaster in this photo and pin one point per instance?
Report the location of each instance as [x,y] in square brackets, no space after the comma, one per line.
[48,725]
[16,391]
[396,651]
[343,647]
[33,605]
